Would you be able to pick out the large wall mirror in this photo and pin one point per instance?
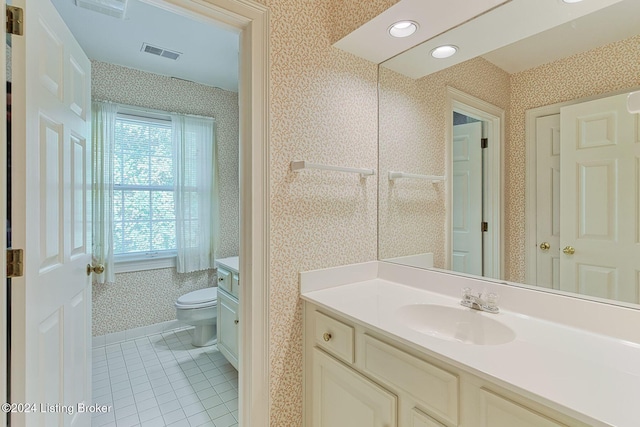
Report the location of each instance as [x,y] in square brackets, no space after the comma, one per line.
[516,158]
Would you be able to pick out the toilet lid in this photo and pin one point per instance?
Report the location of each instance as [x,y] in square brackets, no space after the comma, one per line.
[207,297]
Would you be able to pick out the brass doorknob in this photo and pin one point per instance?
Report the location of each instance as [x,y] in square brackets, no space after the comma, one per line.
[569,250]
[98,269]
[545,246]
[326,336]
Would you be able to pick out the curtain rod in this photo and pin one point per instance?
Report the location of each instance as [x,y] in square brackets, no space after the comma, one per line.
[151,110]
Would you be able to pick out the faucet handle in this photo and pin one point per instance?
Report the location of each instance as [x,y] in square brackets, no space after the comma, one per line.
[491,299]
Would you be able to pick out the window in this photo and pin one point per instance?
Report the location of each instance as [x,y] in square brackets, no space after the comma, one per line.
[144,222]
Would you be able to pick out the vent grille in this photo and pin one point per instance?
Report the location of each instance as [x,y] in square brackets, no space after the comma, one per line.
[115,8]
[159,51]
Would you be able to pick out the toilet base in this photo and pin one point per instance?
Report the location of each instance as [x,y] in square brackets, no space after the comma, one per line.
[203,336]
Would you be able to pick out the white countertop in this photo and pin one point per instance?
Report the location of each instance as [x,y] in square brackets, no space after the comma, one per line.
[592,377]
[231,263]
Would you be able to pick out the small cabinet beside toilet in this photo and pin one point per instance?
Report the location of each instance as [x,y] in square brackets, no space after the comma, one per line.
[228,319]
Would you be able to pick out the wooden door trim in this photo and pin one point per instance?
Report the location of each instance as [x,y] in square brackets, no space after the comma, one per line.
[495,117]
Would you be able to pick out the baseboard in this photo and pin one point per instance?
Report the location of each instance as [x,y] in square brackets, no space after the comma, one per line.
[143,331]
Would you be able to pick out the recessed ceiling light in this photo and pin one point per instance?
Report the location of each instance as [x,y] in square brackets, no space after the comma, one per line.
[571,1]
[403,28]
[445,51]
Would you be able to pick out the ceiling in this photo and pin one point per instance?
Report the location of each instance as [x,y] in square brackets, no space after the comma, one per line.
[371,41]
[542,30]
[610,24]
[209,52]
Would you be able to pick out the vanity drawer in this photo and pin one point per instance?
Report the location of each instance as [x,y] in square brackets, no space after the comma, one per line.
[334,336]
[235,285]
[224,279]
[497,411]
[433,388]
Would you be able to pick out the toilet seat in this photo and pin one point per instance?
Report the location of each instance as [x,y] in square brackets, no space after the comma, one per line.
[202,298]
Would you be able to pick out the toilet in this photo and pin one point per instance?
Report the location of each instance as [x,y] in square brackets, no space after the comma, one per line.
[199,308]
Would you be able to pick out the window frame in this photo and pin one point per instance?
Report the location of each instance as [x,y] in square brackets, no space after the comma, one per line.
[140,261]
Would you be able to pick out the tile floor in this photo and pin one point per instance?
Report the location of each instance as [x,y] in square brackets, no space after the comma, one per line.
[161,380]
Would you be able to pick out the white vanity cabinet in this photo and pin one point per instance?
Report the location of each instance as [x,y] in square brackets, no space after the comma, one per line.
[228,319]
[356,377]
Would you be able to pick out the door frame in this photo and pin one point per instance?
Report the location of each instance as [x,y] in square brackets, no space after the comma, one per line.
[251,20]
[531,177]
[3,231]
[495,118]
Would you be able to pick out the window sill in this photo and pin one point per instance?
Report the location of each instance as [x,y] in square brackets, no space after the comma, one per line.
[129,265]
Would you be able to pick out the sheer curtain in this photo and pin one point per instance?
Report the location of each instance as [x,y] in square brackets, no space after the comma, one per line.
[196,192]
[103,133]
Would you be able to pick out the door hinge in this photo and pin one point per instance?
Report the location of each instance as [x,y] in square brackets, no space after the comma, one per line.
[15,20]
[484,226]
[14,263]
[484,142]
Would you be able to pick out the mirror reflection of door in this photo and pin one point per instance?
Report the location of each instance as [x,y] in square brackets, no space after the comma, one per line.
[467,188]
[587,159]
[548,201]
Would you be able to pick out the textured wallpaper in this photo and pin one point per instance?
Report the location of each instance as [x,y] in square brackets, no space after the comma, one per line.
[126,304]
[412,139]
[351,14]
[142,298]
[323,109]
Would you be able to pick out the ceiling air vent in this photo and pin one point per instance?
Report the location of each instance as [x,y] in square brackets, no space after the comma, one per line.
[155,50]
[115,8]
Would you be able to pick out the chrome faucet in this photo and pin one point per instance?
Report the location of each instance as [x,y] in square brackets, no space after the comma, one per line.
[483,301]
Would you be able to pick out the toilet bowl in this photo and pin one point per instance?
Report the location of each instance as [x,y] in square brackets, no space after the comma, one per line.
[199,308]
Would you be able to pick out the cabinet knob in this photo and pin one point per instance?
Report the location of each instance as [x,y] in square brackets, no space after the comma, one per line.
[545,246]
[569,250]
[220,279]
[236,321]
[326,336]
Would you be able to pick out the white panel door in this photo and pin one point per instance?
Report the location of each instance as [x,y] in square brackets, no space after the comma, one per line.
[548,201]
[467,199]
[600,163]
[51,303]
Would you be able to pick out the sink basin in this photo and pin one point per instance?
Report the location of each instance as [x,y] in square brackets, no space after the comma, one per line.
[455,324]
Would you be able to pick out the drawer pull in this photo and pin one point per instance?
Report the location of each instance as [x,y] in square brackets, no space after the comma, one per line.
[220,279]
[326,336]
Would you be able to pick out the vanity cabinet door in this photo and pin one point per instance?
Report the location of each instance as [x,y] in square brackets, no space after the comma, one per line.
[344,398]
[420,419]
[228,327]
[431,387]
[497,411]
